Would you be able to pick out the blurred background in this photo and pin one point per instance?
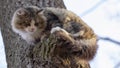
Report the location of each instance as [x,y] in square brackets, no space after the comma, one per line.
[104,18]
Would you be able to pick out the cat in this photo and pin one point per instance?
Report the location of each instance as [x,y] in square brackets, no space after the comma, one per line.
[33,23]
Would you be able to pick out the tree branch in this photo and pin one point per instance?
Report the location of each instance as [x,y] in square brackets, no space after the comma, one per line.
[109,39]
[93,8]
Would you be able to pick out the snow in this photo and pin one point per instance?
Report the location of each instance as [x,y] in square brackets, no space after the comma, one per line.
[107,55]
[2,54]
[104,17]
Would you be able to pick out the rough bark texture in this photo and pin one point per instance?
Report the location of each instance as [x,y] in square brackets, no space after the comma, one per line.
[18,53]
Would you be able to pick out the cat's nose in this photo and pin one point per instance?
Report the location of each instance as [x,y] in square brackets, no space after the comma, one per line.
[32,29]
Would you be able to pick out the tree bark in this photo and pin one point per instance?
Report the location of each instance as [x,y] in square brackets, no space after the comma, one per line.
[18,51]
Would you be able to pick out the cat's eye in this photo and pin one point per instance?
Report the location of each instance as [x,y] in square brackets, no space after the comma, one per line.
[36,24]
[27,24]
[19,23]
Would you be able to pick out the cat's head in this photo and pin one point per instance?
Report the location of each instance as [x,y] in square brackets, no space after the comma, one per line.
[28,20]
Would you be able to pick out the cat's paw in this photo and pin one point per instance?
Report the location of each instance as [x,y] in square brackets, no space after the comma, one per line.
[55,29]
[58,29]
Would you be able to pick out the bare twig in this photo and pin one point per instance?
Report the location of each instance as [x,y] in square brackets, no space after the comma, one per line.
[109,39]
[93,8]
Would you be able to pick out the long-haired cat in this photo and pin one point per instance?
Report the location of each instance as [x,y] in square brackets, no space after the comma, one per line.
[32,22]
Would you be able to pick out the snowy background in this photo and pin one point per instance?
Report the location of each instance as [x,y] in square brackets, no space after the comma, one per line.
[104,17]
[2,54]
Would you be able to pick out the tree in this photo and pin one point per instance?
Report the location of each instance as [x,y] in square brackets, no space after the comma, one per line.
[18,53]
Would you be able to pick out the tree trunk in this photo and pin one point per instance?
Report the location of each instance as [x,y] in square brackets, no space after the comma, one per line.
[17,51]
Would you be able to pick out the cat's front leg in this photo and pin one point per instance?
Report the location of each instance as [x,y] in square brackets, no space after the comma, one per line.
[62,33]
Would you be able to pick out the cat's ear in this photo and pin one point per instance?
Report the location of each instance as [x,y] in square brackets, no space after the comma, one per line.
[21,12]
